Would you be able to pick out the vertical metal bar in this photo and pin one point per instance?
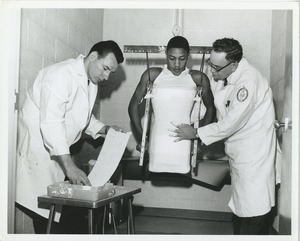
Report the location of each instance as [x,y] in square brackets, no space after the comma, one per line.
[146,117]
[196,123]
[50,219]
[128,218]
[104,219]
[97,219]
[130,215]
[90,218]
[147,58]
[113,221]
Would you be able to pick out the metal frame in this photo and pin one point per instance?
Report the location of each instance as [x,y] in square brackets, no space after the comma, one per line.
[161,49]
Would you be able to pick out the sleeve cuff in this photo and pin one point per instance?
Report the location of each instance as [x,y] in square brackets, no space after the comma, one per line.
[94,127]
[204,134]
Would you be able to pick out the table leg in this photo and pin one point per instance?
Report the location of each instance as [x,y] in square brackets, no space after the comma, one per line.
[104,219]
[130,223]
[50,219]
[113,221]
[90,217]
[128,218]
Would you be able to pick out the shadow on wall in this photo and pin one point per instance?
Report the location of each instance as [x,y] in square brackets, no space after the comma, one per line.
[107,87]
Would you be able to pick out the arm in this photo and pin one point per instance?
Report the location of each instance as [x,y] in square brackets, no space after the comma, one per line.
[208,101]
[96,128]
[54,97]
[207,96]
[137,96]
[238,115]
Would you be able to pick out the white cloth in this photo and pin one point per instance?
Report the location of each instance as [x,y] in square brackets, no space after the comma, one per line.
[246,116]
[56,111]
[172,101]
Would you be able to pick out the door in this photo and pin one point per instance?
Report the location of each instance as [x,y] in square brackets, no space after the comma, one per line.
[285,131]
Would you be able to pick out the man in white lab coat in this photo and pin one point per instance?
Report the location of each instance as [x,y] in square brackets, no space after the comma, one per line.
[245,112]
[58,108]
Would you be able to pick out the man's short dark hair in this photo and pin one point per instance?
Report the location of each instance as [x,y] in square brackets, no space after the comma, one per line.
[230,46]
[179,42]
[109,46]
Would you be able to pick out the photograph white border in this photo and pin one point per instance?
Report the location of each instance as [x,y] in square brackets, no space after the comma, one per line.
[13,5]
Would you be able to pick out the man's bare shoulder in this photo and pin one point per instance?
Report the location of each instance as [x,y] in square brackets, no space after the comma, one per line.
[154,72]
[199,77]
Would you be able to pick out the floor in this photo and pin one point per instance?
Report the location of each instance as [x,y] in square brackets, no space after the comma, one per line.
[176,222]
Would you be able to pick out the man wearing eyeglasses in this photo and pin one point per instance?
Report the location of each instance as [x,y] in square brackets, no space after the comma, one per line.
[245,112]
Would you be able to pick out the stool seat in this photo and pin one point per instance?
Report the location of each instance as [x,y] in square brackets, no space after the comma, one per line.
[121,193]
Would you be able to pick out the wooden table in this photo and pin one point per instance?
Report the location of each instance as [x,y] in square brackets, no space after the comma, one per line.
[125,193]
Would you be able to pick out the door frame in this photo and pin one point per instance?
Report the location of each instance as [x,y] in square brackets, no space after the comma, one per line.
[10,43]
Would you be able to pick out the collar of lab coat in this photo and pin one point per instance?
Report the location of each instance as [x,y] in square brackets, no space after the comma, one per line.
[237,74]
[91,89]
[82,76]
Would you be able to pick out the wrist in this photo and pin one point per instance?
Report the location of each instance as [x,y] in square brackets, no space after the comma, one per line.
[66,162]
[106,129]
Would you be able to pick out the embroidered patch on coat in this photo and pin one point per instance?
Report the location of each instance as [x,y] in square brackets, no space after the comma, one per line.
[242,94]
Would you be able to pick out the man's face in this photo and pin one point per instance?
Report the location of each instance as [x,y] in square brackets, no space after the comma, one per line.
[100,69]
[221,68]
[176,60]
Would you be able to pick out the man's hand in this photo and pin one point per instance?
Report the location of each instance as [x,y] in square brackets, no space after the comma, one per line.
[75,175]
[117,128]
[183,132]
[104,130]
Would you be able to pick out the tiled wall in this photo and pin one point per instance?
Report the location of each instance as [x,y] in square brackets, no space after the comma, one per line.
[49,36]
[154,27]
[52,35]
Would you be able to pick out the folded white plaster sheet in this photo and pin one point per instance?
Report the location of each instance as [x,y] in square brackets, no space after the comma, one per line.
[109,157]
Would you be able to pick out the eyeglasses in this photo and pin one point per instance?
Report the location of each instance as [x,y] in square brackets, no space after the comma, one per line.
[215,67]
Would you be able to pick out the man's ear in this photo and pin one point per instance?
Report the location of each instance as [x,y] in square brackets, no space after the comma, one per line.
[93,55]
[235,66]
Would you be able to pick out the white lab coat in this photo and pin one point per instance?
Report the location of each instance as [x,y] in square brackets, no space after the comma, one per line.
[57,109]
[246,116]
